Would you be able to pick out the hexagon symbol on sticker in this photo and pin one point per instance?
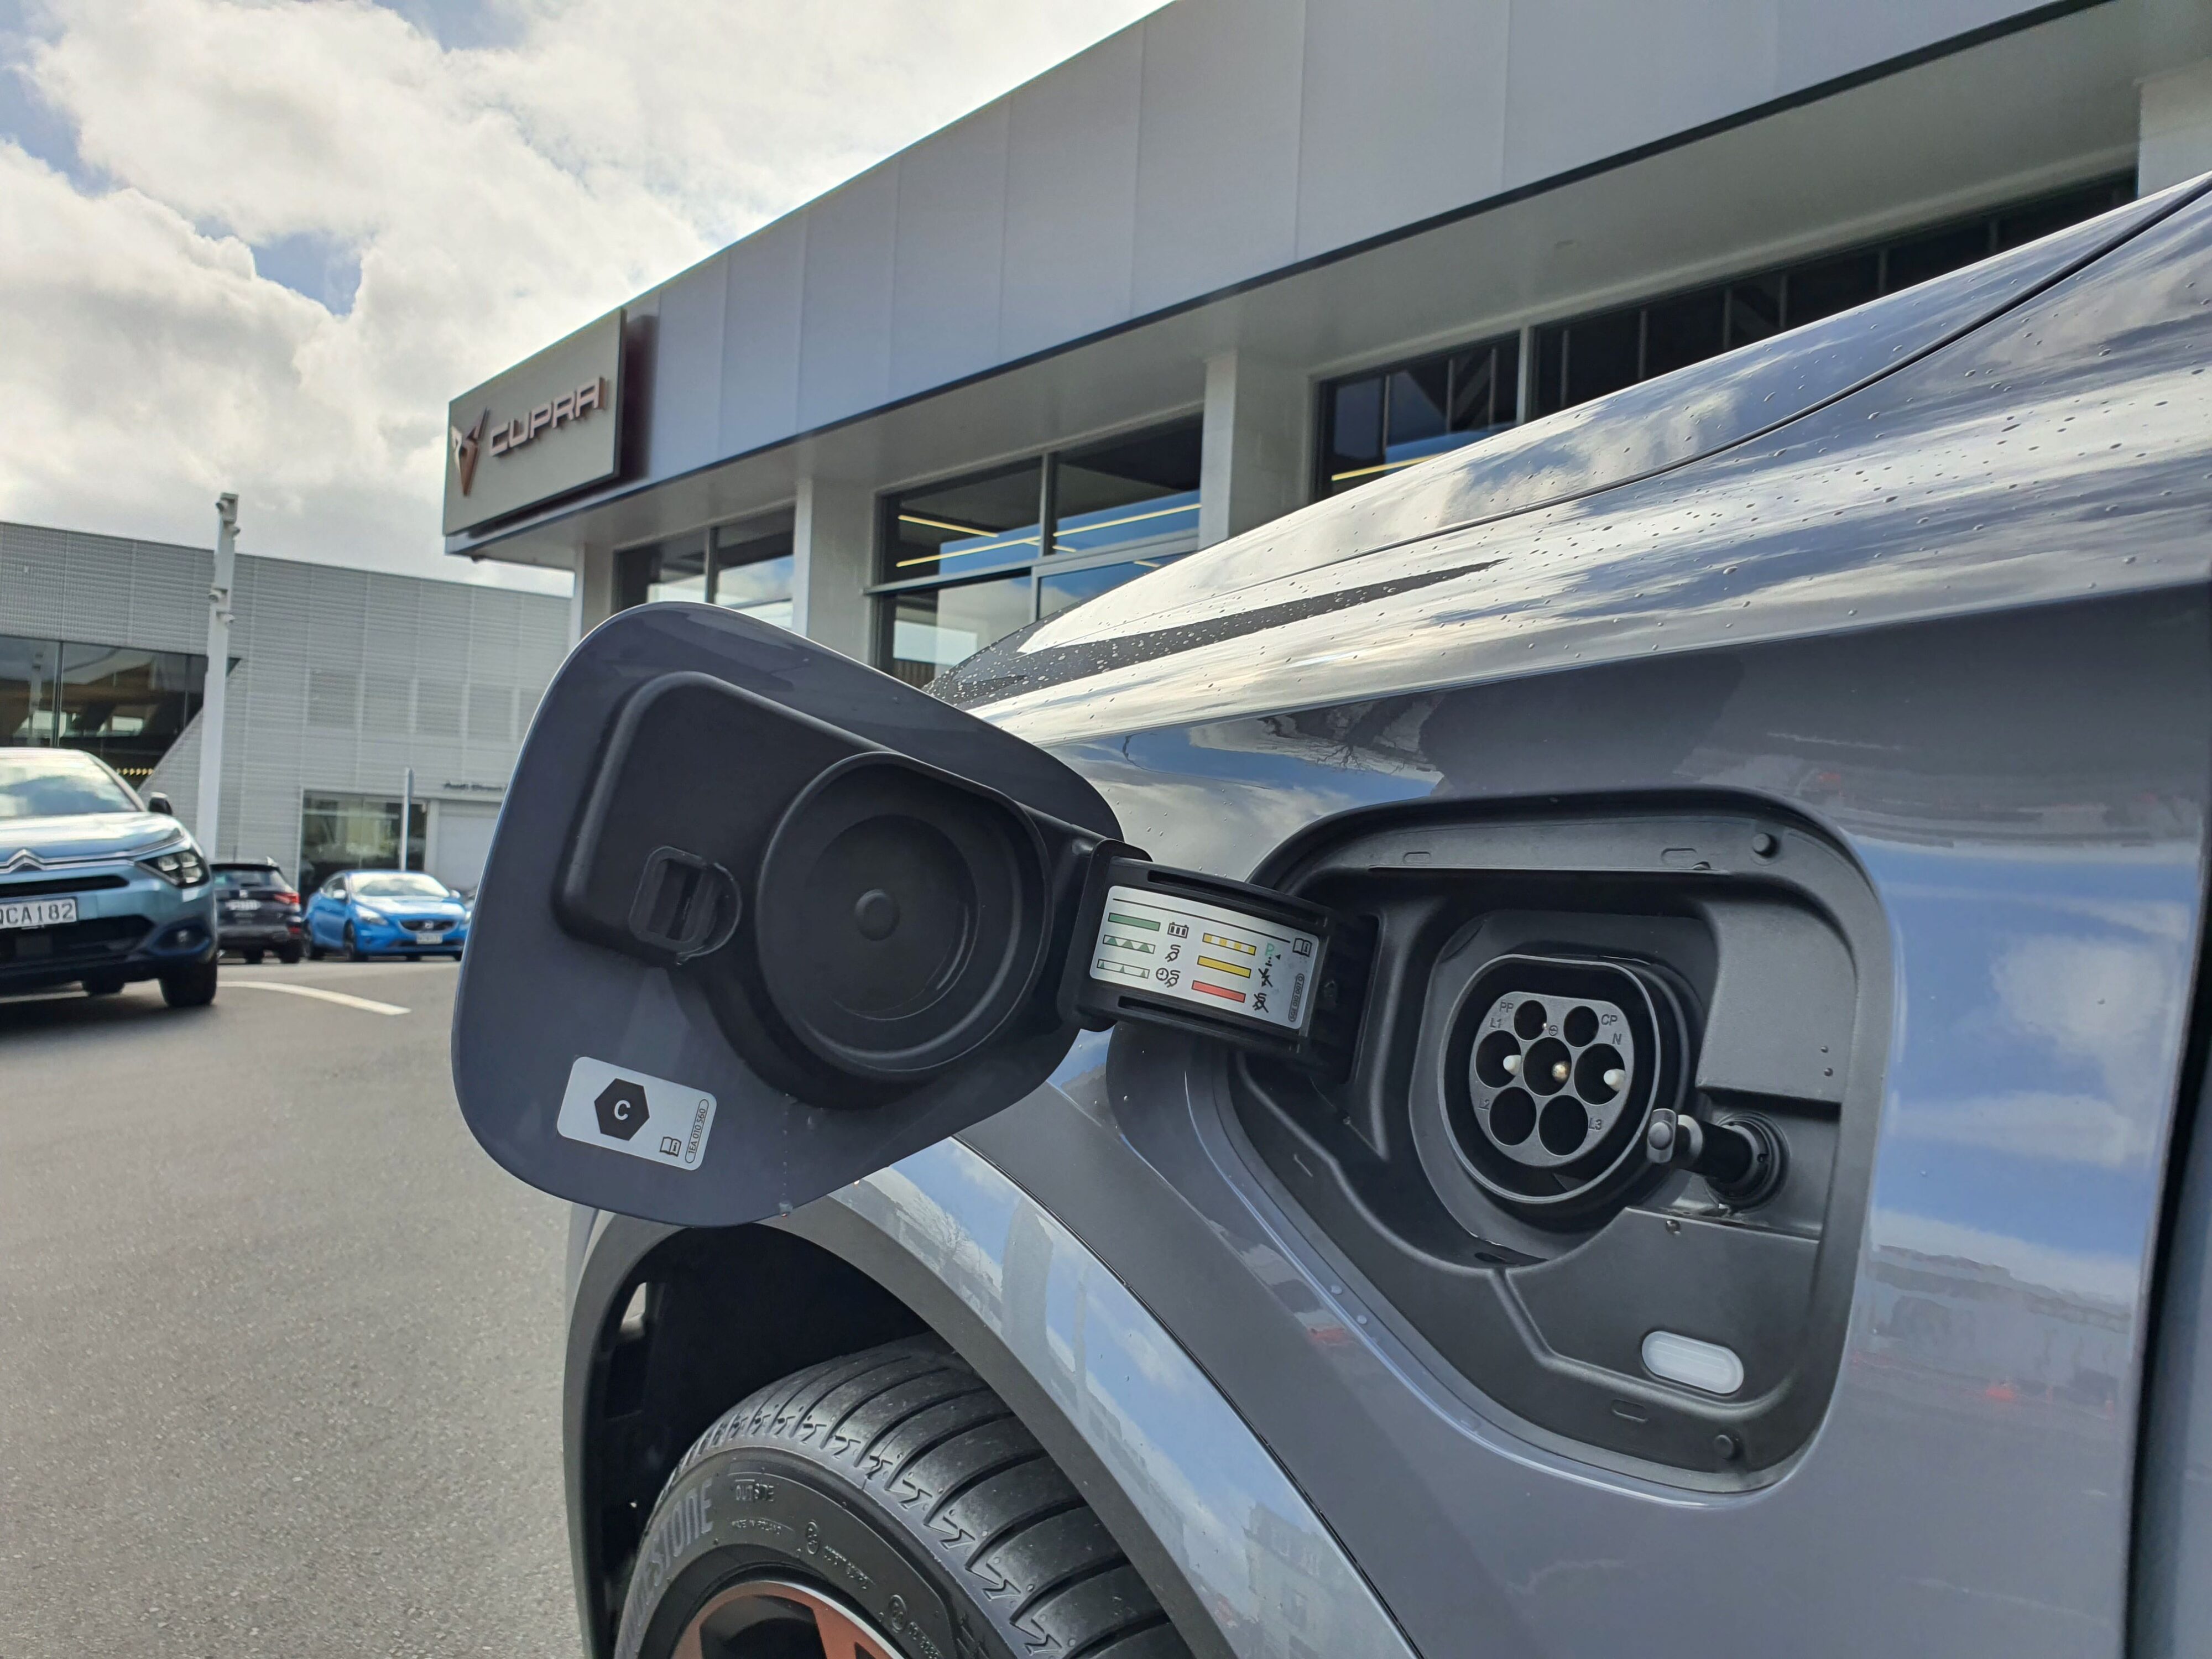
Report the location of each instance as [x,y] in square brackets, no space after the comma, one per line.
[622,1108]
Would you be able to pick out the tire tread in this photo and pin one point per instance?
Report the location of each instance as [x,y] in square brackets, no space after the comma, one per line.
[912,1422]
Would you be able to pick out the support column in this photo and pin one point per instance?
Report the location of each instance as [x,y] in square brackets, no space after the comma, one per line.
[832,539]
[1252,467]
[593,599]
[2174,138]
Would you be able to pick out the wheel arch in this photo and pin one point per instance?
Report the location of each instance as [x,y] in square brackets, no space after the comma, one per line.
[944,1242]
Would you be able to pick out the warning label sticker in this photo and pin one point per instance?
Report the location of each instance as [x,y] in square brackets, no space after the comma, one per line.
[627,1111]
[1219,960]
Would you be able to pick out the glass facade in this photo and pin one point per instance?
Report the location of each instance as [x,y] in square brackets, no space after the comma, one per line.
[356,832]
[1377,422]
[738,567]
[122,703]
[966,561]
[1374,422]
[1588,357]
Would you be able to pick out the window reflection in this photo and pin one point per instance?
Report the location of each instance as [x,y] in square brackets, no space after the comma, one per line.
[1589,356]
[126,705]
[750,570]
[1376,423]
[1135,491]
[1117,508]
[1059,589]
[931,628]
[753,575]
[977,523]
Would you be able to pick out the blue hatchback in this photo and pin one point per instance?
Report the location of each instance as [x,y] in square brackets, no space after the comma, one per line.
[386,913]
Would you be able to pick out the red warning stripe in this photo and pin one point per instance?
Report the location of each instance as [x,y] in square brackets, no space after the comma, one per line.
[1216,990]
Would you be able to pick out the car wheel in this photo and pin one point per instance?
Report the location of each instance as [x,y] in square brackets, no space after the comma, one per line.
[882,1505]
[354,952]
[252,959]
[190,988]
[288,953]
[105,985]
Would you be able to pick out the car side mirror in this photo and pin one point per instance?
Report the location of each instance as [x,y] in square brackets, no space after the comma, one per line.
[758,921]
[158,802]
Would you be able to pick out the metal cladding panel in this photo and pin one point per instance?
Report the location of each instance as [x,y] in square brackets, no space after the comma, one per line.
[1590,78]
[1213,144]
[844,360]
[951,233]
[1818,40]
[96,603]
[1071,198]
[32,561]
[1218,157]
[1359,176]
[764,278]
[685,428]
[169,598]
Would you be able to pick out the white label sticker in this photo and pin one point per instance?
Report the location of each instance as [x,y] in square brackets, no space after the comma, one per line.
[1219,960]
[626,1111]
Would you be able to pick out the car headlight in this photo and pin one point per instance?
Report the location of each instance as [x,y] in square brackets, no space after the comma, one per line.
[369,913]
[181,867]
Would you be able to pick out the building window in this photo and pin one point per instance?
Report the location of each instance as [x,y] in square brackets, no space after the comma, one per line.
[1390,417]
[125,705]
[965,563]
[1374,422]
[1587,357]
[356,832]
[740,566]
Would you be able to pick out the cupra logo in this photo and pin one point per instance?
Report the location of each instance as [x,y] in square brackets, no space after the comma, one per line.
[467,445]
[568,408]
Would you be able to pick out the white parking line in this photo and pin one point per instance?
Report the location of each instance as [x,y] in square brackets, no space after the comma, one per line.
[340,997]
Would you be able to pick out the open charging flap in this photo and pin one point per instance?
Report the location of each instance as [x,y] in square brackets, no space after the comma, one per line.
[758,921]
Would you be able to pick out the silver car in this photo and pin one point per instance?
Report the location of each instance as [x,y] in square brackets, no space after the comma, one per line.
[98,887]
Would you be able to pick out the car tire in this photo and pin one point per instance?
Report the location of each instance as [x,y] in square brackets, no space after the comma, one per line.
[190,988]
[354,952]
[252,957]
[898,1488]
[287,954]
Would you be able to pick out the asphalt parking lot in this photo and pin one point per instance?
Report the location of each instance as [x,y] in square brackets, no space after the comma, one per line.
[279,1345]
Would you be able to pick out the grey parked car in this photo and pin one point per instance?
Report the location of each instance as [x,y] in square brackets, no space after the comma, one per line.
[1594,1048]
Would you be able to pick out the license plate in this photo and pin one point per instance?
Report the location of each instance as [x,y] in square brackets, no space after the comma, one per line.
[37,913]
[241,907]
[430,936]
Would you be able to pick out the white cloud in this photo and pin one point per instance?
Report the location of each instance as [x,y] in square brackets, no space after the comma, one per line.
[494,197]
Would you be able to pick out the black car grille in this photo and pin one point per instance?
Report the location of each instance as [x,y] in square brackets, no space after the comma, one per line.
[18,889]
[426,924]
[74,941]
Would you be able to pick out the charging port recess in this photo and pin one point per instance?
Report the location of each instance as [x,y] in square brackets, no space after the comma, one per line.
[1619,1073]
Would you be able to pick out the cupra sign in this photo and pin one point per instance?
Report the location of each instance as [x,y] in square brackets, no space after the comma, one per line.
[548,428]
[469,446]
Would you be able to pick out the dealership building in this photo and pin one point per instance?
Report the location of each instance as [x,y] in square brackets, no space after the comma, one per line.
[1246,254]
[340,681]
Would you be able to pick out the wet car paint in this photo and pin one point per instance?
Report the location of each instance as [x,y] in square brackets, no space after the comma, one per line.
[1958,619]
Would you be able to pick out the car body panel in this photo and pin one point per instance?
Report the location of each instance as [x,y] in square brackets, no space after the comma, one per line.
[1958,619]
[1097,1377]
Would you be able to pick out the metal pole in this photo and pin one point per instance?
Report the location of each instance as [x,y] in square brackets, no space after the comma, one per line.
[406,815]
[207,820]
